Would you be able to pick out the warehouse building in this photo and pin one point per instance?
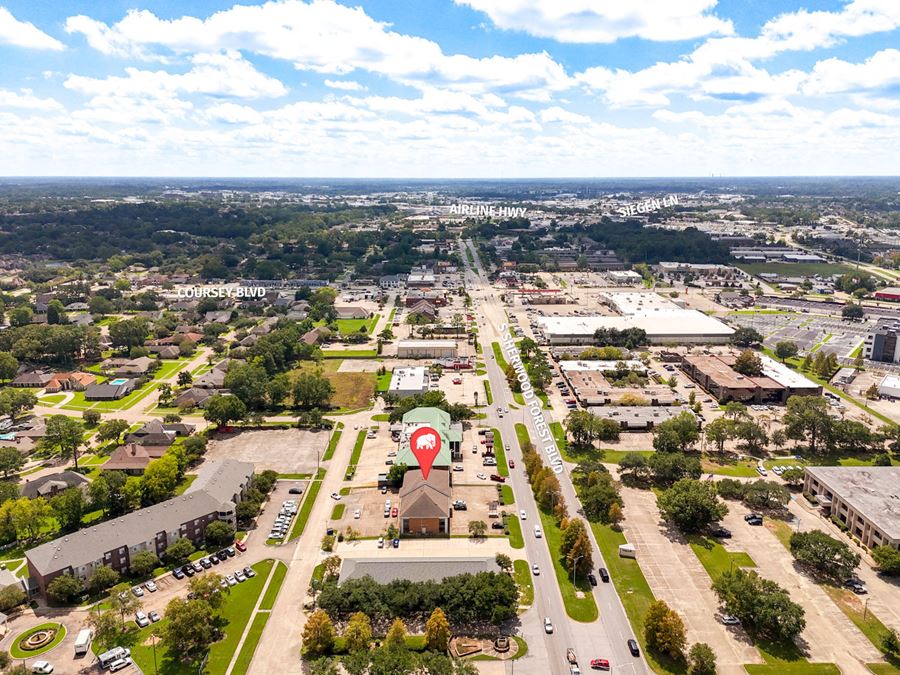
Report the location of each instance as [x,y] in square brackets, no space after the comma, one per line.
[409,381]
[591,385]
[866,499]
[663,326]
[427,349]
[639,417]
[777,384]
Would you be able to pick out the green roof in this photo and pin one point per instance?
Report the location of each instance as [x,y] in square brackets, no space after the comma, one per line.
[438,420]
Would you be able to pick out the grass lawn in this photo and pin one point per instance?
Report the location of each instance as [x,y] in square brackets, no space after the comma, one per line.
[487,392]
[884,668]
[498,355]
[506,494]
[787,658]
[349,353]
[268,600]
[739,469]
[332,443]
[381,417]
[185,483]
[338,511]
[249,647]
[303,516]
[515,531]
[715,558]
[357,451]
[352,391]
[352,326]
[383,382]
[854,610]
[51,399]
[781,530]
[522,572]
[795,269]
[500,454]
[169,368]
[17,653]
[580,609]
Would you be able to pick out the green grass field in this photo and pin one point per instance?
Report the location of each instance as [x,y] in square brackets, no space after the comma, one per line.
[303,516]
[357,452]
[242,664]
[349,353]
[581,609]
[351,326]
[715,558]
[333,441]
[515,532]
[18,653]
[795,269]
[338,511]
[506,495]
[500,454]
[487,392]
[268,601]
[522,571]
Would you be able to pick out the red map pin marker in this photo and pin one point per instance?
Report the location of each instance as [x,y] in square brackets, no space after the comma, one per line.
[425,444]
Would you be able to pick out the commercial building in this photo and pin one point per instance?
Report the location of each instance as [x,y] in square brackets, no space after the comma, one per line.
[439,420]
[889,387]
[213,495]
[426,349]
[671,326]
[639,417]
[385,570]
[866,499]
[882,343]
[891,293]
[591,385]
[409,381]
[716,374]
[425,504]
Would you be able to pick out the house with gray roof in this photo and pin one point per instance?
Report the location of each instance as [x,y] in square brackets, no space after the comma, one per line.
[51,484]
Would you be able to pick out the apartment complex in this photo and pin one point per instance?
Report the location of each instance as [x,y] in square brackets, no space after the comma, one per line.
[866,499]
[218,488]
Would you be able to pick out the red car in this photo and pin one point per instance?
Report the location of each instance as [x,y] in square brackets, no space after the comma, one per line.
[600,664]
[512,464]
[240,546]
[498,478]
[394,512]
[457,381]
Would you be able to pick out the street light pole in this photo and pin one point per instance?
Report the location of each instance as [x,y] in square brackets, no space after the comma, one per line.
[574,563]
[865,608]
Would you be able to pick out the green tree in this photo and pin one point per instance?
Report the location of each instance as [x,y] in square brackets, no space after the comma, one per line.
[107,628]
[719,431]
[11,460]
[68,507]
[396,635]
[64,588]
[807,419]
[887,559]
[318,634]
[128,333]
[122,601]
[746,337]
[143,563]
[10,597]
[691,504]
[760,604]
[190,629]
[701,659]
[219,533]
[313,390]
[437,631]
[785,349]
[766,494]
[598,493]
[249,382]
[358,634]
[159,480]
[748,363]
[27,517]
[668,467]
[64,435]
[677,433]
[826,555]
[477,528]
[111,430]
[13,402]
[179,551]
[664,630]
[224,409]
[103,578]
[9,366]
[20,316]
[208,587]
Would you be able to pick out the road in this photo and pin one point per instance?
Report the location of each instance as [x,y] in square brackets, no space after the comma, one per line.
[606,637]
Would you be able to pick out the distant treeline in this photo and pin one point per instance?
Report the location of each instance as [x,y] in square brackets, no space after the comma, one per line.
[635,243]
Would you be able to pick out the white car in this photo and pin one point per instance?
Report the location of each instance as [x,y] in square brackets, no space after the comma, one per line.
[535,569]
[761,470]
[138,591]
[230,580]
[356,514]
[335,496]
[523,515]
[141,620]
[548,625]
[457,467]
[380,542]
[239,576]
[41,667]
[150,586]
[728,620]
[119,664]
[480,476]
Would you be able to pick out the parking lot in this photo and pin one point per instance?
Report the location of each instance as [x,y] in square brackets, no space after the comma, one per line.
[264,521]
[282,450]
[806,330]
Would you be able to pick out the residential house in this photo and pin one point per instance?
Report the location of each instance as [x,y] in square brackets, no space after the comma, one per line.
[34,379]
[75,381]
[133,458]
[53,483]
[109,391]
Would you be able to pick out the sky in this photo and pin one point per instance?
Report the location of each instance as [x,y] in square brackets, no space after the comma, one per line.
[494,89]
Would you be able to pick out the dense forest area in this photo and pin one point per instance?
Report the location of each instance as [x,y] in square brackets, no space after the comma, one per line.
[635,243]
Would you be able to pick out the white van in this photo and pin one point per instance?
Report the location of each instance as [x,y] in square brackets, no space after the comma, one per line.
[83,641]
[114,654]
[537,532]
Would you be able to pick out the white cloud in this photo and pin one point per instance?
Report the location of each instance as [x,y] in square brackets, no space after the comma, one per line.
[834,76]
[25,98]
[324,37]
[599,21]
[25,34]
[346,85]
[226,74]
[557,114]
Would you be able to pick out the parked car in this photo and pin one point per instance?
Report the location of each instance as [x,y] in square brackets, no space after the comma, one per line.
[240,546]
[396,543]
[150,586]
[239,576]
[119,664]
[141,620]
[197,566]
[177,573]
[335,496]
[356,514]
[41,667]
[497,525]
[295,491]
[138,591]
[154,616]
[204,563]
[721,533]
[229,551]
[230,580]
[604,574]
[728,619]
[457,467]
[380,542]
[633,647]
[496,477]
[394,512]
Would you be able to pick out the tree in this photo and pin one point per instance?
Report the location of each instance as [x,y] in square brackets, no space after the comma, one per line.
[668,467]
[807,419]
[635,468]
[358,634]
[824,554]
[28,517]
[766,494]
[719,431]
[887,559]
[128,333]
[677,433]
[396,635]
[890,644]
[224,409]
[701,659]
[208,587]
[111,430]
[106,626]
[143,563]
[190,629]
[91,418]
[598,493]
[748,363]
[477,528]
[179,551]
[615,516]
[9,366]
[746,337]
[664,630]
[853,311]
[793,477]
[11,596]
[103,577]
[64,434]
[691,505]
[122,601]
[504,562]
[16,401]
[760,604]
[20,316]
[312,390]
[318,634]
[785,349]
[159,480]
[437,631]
[68,507]
[64,588]
[10,460]
[248,381]
[184,379]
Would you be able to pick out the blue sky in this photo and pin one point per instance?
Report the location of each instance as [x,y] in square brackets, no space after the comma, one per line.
[450,88]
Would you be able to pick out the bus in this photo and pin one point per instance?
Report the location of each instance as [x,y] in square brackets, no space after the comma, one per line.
[83,641]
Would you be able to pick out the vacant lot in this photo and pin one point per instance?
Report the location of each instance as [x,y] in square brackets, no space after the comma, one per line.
[282,450]
[351,390]
[795,269]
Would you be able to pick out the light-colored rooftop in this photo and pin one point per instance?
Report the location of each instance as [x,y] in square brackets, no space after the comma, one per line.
[872,491]
[386,569]
[414,378]
[426,343]
[663,323]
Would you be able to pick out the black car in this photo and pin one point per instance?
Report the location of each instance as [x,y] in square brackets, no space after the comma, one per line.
[633,647]
[592,579]
[222,555]
[755,521]
[604,575]
[204,563]
[214,559]
[296,491]
[721,533]
[753,516]
[497,525]
[188,570]
[177,573]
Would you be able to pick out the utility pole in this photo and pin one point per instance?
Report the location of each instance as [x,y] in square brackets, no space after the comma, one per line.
[574,564]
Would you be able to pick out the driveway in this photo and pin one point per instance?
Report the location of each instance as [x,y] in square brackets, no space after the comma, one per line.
[676,576]
[830,636]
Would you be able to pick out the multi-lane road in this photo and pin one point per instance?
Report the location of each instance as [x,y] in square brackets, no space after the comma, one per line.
[606,637]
